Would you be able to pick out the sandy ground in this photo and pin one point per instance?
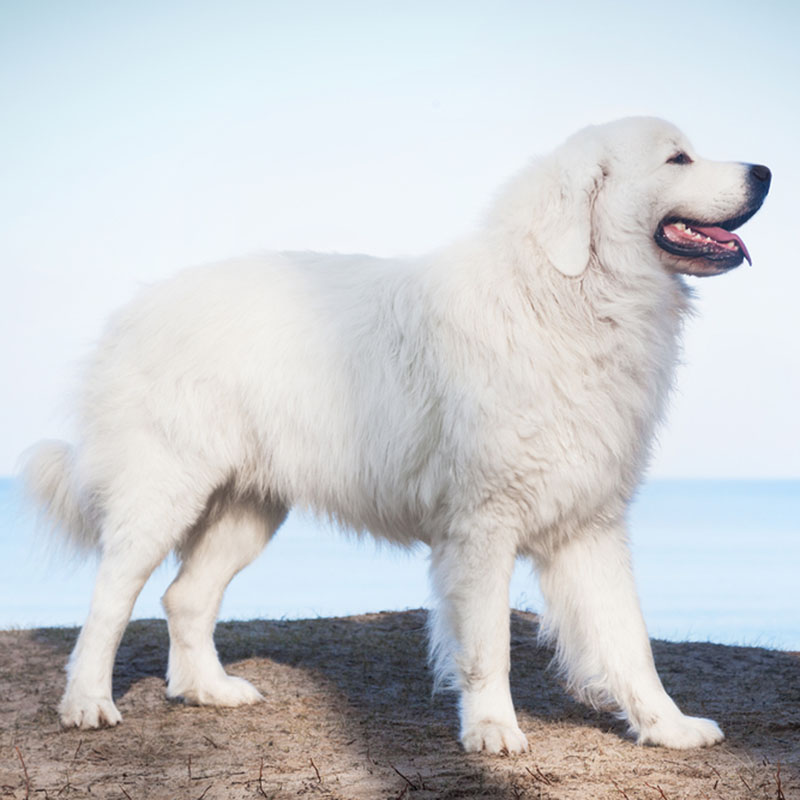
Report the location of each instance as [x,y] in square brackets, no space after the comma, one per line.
[349,714]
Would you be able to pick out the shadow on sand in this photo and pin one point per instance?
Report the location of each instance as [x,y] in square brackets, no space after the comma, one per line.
[364,683]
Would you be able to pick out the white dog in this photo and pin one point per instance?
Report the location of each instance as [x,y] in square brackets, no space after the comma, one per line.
[493,400]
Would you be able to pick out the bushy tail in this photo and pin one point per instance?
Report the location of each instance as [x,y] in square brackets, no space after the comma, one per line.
[49,478]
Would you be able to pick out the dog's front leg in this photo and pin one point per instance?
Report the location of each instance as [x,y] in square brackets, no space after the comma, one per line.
[470,571]
[593,615]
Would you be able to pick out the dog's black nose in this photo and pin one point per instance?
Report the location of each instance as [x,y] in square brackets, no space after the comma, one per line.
[760,176]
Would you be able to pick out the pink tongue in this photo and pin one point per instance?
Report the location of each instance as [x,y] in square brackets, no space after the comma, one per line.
[721,235]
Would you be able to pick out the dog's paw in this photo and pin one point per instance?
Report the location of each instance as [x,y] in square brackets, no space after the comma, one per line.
[226,690]
[494,737]
[682,733]
[88,712]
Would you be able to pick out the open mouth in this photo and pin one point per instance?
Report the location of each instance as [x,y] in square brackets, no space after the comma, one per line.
[708,249]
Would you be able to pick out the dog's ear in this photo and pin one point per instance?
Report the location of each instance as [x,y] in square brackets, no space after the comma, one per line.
[571,181]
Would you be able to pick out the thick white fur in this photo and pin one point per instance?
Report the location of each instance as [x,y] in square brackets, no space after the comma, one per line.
[494,399]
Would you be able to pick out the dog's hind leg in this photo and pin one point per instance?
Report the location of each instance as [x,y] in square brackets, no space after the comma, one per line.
[602,647]
[210,560]
[133,544]
[470,633]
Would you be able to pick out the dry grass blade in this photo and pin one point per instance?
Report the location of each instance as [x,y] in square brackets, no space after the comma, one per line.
[25,773]
[620,790]
[779,784]
[539,775]
[410,783]
[261,779]
[658,789]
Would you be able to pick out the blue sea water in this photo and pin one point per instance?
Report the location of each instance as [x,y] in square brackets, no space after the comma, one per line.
[714,560]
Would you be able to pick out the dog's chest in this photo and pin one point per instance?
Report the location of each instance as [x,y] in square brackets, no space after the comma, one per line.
[573,417]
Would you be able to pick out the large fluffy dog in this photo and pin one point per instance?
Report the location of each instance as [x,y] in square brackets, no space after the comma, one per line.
[493,400]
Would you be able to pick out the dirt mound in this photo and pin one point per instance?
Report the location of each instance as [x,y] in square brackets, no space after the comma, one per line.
[349,714]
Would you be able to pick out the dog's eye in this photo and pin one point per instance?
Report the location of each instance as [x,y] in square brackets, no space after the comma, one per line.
[679,158]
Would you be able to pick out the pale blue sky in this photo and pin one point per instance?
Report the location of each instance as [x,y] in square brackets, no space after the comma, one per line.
[137,138]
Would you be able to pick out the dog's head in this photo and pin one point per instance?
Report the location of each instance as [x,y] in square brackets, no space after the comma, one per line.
[637,189]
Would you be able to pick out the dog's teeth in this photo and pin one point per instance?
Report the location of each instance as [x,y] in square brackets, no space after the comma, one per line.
[688,233]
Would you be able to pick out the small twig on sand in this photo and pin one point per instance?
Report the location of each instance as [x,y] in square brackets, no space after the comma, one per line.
[319,777]
[261,779]
[716,772]
[410,783]
[539,775]
[67,786]
[28,780]
[658,789]
[713,769]
[122,789]
[620,789]
[780,795]
[745,783]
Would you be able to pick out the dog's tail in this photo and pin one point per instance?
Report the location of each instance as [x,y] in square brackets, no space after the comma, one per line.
[50,480]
